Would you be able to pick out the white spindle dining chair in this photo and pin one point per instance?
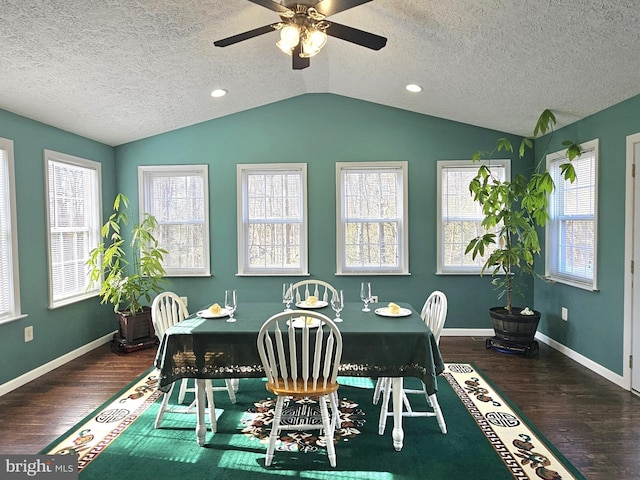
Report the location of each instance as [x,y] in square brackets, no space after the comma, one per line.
[434,314]
[301,360]
[320,289]
[168,309]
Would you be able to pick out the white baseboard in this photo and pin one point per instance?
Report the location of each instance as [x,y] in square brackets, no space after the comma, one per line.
[582,360]
[47,367]
[467,332]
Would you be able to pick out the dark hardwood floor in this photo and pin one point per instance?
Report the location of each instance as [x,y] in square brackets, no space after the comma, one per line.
[594,423]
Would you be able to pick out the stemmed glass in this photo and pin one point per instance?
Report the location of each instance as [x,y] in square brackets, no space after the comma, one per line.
[337,302]
[230,303]
[287,295]
[365,295]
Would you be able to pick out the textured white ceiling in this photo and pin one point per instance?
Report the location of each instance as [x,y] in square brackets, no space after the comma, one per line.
[121,70]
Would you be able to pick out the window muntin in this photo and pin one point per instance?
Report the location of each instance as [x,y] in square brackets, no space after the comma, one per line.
[272,219]
[73,218]
[459,218]
[571,234]
[9,281]
[372,219]
[178,197]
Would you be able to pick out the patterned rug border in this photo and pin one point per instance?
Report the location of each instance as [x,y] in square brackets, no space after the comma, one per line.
[526,453]
[524,450]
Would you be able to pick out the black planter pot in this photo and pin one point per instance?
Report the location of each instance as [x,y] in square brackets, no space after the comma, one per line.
[514,332]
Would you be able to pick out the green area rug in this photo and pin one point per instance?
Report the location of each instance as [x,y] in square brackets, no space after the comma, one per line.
[487,438]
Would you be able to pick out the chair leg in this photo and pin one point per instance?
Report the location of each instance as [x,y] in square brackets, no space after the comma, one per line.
[436,408]
[184,384]
[335,411]
[275,430]
[212,406]
[384,407]
[380,383]
[328,431]
[235,382]
[231,389]
[163,407]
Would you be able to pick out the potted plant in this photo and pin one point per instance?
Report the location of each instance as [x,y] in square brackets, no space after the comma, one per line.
[128,277]
[513,211]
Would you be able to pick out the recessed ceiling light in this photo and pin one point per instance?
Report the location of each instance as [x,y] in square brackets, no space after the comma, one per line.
[412,87]
[218,93]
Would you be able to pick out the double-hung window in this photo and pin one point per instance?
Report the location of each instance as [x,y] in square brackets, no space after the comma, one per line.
[178,197]
[571,234]
[372,218]
[459,217]
[73,219]
[272,219]
[9,283]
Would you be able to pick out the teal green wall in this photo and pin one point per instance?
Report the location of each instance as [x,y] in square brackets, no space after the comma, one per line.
[319,129]
[596,319]
[62,330]
[322,129]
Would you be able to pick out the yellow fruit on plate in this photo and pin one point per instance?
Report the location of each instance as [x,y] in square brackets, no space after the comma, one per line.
[393,308]
[309,320]
[215,309]
[311,300]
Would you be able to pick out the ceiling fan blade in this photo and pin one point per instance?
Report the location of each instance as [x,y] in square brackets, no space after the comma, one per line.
[271,5]
[353,35]
[225,42]
[299,62]
[331,7]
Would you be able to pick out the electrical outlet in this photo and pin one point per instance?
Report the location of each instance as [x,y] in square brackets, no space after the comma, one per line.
[565,314]
[185,300]
[374,298]
[28,333]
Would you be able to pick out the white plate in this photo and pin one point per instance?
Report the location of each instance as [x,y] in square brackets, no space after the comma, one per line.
[318,304]
[384,311]
[298,322]
[208,314]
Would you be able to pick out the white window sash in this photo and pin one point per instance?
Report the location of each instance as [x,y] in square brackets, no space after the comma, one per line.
[9,277]
[560,232]
[399,221]
[68,246]
[247,223]
[183,258]
[445,219]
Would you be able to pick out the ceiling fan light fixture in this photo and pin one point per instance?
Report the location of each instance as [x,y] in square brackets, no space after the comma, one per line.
[289,38]
[312,42]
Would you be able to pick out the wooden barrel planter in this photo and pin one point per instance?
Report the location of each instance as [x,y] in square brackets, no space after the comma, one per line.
[514,333]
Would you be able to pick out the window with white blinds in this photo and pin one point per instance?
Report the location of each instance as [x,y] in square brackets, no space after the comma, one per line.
[272,219]
[459,217]
[178,197]
[571,234]
[9,284]
[372,218]
[73,218]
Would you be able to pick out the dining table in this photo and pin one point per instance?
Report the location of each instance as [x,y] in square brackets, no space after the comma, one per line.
[375,344]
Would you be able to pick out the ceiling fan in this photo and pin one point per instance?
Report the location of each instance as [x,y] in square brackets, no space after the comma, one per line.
[304,29]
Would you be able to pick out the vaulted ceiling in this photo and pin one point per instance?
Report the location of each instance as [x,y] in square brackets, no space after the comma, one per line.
[120,70]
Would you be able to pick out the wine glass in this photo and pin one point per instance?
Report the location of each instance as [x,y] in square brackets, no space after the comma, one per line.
[365,295]
[287,295]
[337,302]
[230,303]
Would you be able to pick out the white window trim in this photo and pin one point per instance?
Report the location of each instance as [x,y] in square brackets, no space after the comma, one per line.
[441,164]
[15,314]
[403,231]
[591,285]
[84,163]
[144,199]
[241,171]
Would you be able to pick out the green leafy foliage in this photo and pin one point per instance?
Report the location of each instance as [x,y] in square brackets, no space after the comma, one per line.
[516,209]
[124,282]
